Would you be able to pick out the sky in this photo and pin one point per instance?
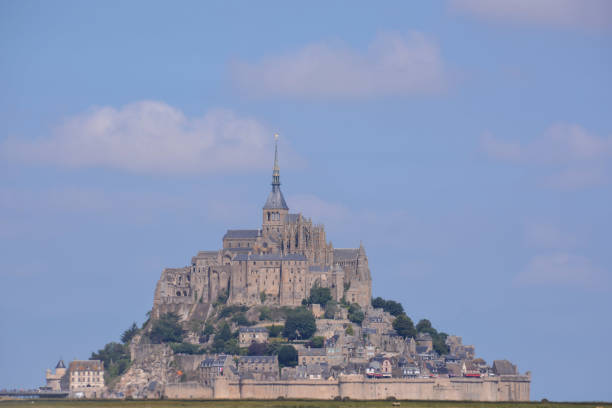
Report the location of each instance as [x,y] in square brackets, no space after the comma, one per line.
[467,143]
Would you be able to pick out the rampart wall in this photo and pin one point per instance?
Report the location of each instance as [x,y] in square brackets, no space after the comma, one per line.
[515,388]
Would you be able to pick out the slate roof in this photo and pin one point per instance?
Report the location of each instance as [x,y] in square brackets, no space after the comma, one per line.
[345,254]
[256,359]
[504,367]
[253,330]
[242,234]
[270,257]
[318,268]
[292,218]
[86,365]
[219,361]
[60,364]
[275,200]
[312,352]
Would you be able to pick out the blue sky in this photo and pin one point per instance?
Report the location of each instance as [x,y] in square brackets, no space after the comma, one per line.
[467,143]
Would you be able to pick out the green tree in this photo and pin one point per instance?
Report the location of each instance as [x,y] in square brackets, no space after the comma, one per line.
[349,330]
[258,349]
[300,324]
[116,359]
[423,326]
[439,344]
[231,347]
[265,313]
[274,330]
[404,326]
[129,333]
[241,320]
[331,308]
[317,342]
[319,295]
[167,329]
[224,332]
[287,356]
[394,308]
[355,314]
[378,303]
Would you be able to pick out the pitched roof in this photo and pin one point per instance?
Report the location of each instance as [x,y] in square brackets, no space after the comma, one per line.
[256,359]
[86,365]
[275,200]
[312,352]
[60,364]
[253,330]
[242,234]
[292,218]
[504,367]
[345,254]
[270,257]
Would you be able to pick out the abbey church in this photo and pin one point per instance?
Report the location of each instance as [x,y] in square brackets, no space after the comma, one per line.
[276,264]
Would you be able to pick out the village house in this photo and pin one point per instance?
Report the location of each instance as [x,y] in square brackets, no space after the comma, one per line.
[248,335]
[258,367]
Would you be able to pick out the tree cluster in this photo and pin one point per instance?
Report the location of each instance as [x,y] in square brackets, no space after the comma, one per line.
[300,324]
[225,341]
[167,329]
[355,314]
[439,339]
[389,306]
[116,359]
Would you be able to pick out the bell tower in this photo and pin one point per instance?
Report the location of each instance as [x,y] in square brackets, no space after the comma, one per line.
[275,210]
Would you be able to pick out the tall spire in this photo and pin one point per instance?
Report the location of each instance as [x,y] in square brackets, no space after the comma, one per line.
[276,199]
[276,170]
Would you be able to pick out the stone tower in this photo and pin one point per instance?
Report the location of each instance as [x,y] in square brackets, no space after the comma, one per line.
[275,210]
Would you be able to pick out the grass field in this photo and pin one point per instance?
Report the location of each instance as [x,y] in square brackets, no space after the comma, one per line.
[290,404]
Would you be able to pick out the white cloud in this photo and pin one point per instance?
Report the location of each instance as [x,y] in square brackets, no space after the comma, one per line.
[150,136]
[393,64]
[590,14]
[561,268]
[574,157]
[548,235]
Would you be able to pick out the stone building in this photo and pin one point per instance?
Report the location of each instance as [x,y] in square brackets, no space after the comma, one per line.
[258,367]
[86,376]
[248,335]
[312,355]
[58,380]
[276,264]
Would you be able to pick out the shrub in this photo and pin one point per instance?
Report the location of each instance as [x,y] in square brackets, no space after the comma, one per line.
[274,330]
[167,329]
[129,333]
[317,342]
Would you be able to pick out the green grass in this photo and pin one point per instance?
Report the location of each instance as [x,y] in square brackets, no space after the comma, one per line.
[289,404]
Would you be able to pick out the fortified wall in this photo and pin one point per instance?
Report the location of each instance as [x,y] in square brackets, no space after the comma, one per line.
[505,388]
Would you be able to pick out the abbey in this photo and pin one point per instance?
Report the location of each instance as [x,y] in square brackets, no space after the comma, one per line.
[277,264]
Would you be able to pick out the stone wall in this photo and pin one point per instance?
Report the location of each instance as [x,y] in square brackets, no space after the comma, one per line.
[515,388]
[188,390]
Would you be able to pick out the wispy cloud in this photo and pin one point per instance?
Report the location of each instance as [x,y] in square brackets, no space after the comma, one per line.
[542,235]
[393,64]
[589,14]
[150,136]
[573,156]
[562,268]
